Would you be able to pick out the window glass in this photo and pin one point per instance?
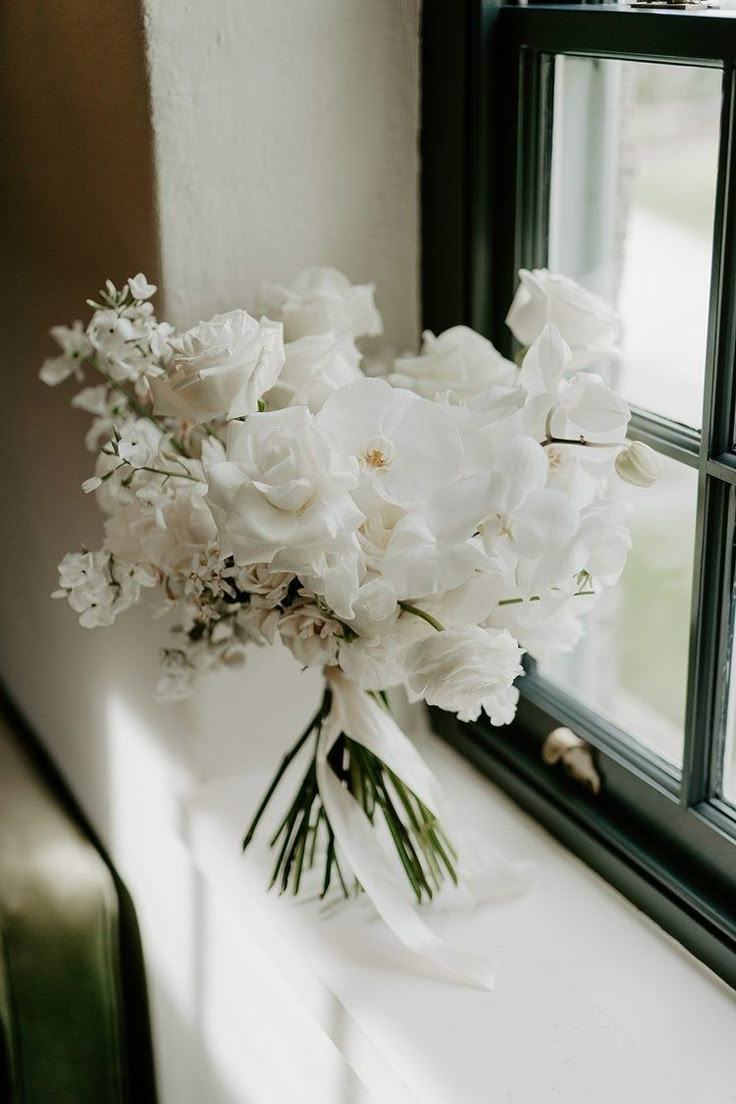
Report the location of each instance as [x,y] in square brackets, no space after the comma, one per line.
[635,153]
[631,664]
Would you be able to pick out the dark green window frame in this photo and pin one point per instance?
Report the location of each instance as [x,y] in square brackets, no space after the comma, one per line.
[663,837]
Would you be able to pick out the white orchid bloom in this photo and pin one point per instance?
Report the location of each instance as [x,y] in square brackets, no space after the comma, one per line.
[418,563]
[588,325]
[511,507]
[595,555]
[405,446]
[563,407]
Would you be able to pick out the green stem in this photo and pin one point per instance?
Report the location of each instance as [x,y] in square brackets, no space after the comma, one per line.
[168,474]
[408,608]
[538,598]
[287,759]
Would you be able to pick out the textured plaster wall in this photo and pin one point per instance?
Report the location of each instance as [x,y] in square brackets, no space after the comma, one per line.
[212,145]
[285,135]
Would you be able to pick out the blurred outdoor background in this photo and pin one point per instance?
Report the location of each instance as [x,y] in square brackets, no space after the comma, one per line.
[635,157]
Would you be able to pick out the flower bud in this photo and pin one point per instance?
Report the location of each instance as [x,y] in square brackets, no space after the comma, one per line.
[638,464]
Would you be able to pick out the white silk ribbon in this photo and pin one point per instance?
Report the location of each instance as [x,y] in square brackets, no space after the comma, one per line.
[356,714]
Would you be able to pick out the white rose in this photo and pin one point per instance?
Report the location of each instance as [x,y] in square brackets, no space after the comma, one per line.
[265,587]
[320,300]
[588,325]
[311,635]
[460,669]
[220,368]
[314,367]
[282,495]
[459,361]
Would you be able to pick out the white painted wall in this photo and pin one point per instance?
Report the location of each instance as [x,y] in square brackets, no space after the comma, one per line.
[284,134]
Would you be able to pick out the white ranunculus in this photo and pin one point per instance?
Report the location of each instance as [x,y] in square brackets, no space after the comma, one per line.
[314,367]
[312,636]
[282,496]
[638,464]
[458,361]
[220,368]
[321,300]
[500,708]
[459,669]
[588,325]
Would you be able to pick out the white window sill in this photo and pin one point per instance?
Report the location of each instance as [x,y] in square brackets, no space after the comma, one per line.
[592,1000]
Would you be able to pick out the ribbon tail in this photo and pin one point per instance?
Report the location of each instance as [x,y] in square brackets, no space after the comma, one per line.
[370,864]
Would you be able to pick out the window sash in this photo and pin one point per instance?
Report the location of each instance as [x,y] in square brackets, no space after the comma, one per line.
[666,841]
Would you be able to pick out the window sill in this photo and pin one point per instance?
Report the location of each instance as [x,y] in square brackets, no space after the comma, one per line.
[587,986]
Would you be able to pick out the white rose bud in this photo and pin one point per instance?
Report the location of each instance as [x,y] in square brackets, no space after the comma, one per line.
[312,636]
[319,301]
[638,464]
[220,368]
[587,324]
[462,669]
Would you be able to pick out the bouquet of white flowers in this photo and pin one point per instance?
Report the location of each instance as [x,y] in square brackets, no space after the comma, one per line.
[424,529]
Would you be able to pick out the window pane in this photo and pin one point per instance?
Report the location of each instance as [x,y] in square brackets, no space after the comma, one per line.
[631,664]
[635,152]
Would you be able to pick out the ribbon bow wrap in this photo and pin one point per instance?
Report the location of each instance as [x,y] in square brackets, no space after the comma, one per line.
[357,715]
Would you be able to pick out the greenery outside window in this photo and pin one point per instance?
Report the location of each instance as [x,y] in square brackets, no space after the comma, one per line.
[600,141]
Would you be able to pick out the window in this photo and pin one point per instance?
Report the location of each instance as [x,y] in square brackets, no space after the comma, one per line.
[601,141]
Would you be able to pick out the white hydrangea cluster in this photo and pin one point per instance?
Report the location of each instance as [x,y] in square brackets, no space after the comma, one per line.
[426,528]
